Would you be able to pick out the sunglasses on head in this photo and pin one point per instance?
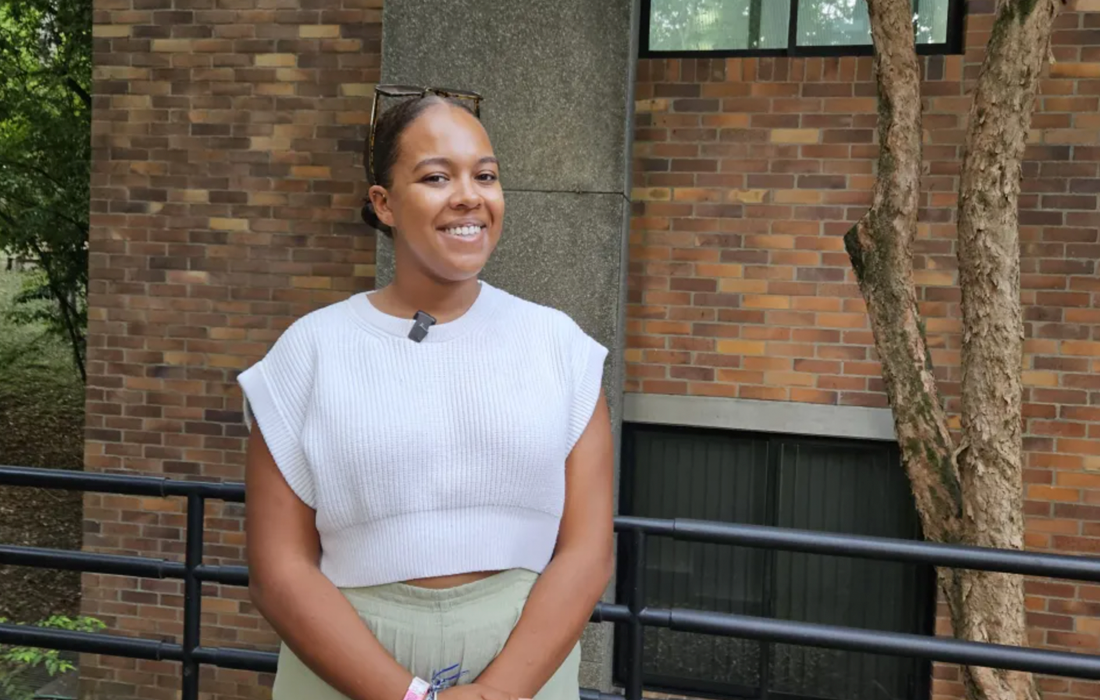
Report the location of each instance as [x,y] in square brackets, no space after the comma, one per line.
[412,91]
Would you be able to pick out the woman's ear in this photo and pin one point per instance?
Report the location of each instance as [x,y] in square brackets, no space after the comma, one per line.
[380,199]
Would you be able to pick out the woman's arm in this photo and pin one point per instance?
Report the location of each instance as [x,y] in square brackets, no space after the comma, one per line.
[286,585]
[564,596]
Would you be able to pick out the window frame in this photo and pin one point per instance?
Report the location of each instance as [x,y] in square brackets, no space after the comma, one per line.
[926,584]
[955,44]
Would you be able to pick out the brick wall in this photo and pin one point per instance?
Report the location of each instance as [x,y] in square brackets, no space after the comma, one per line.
[225,195]
[749,171]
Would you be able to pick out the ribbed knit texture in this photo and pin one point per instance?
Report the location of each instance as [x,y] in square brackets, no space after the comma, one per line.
[434,458]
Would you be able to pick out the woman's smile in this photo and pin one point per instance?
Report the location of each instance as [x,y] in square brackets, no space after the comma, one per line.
[465,230]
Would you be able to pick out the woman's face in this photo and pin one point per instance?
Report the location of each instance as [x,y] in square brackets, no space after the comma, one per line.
[445,205]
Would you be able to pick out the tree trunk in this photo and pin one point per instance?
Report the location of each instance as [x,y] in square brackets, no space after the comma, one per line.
[989,607]
[881,249]
[972,494]
[69,314]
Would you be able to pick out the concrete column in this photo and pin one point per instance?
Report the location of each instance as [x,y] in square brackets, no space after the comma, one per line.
[558,78]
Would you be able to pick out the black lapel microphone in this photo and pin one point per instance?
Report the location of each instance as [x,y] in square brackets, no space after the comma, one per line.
[421,323]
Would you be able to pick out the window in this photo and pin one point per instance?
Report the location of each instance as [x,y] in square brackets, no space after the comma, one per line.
[813,484]
[699,28]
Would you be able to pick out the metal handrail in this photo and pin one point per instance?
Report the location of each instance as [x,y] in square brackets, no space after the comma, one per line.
[633,614]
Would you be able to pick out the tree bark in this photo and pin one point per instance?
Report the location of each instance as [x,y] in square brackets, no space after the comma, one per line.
[972,494]
[880,247]
[989,607]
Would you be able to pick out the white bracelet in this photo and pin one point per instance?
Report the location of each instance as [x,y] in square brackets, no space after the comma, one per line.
[418,689]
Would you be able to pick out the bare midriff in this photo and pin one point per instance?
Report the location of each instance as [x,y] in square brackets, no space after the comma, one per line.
[441,582]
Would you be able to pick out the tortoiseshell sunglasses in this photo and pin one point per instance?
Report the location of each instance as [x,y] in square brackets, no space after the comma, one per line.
[412,91]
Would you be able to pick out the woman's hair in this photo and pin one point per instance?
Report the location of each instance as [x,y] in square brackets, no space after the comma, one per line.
[387,134]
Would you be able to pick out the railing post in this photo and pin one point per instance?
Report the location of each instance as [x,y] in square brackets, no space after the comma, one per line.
[192,596]
[635,603]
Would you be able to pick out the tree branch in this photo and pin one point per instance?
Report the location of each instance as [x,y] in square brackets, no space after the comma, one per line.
[80,225]
[880,248]
[68,313]
[80,92]
[34,169]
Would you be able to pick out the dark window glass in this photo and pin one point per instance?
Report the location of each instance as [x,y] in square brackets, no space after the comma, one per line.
[827,485]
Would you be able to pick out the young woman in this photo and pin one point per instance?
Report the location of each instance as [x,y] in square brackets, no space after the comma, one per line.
[430,512]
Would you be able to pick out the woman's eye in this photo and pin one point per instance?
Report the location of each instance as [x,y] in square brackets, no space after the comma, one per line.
[487,177]
[435,178]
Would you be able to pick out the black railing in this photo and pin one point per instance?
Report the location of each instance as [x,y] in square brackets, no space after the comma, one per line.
[634,614]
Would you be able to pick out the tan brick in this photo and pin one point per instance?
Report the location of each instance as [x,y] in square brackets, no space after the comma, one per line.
[650,194]
[751,301]
[1074,70]
[220,224]
[789,379]
[111,31]
[695,194]
[172,45]
[319,31]
[274,89]
[293,75]
[719,270]
[652,105]
[841,320]
[726,121]
[742,286]
[276,60]
[741,347]
[745,196]
[357,89]
[1079,347]
[797,196]
[316,172]
[795,136]
[1040,379]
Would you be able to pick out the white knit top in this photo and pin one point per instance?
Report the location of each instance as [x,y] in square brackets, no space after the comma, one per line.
[434,458]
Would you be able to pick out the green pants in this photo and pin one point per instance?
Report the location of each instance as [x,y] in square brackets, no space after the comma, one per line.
[451,631]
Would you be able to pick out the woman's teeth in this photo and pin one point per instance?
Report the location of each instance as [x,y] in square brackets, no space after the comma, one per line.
[464,231]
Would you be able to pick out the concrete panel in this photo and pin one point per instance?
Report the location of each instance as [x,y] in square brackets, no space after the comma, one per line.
[761,416]
[557,75]
[558,82]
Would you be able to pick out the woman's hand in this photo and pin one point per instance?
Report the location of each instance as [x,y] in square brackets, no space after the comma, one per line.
[475,691]
[562,600]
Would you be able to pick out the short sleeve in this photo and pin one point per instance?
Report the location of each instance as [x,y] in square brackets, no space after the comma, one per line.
[588,364]
[276,391]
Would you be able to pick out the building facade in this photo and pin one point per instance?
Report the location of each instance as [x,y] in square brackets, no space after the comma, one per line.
[226,186]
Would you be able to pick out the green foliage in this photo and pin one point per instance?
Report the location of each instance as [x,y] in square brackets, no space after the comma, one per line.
[711,25]
[45,154]
[18,663]
[699,25]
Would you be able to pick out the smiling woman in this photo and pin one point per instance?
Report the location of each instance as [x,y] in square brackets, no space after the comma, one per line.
[429,479]
[435,172]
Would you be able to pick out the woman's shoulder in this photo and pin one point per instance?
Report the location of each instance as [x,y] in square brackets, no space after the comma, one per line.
[300,341]
[539,329]
[320,321]
[534,315]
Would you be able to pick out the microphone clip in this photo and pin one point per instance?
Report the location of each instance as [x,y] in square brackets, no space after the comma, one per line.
[421,323]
